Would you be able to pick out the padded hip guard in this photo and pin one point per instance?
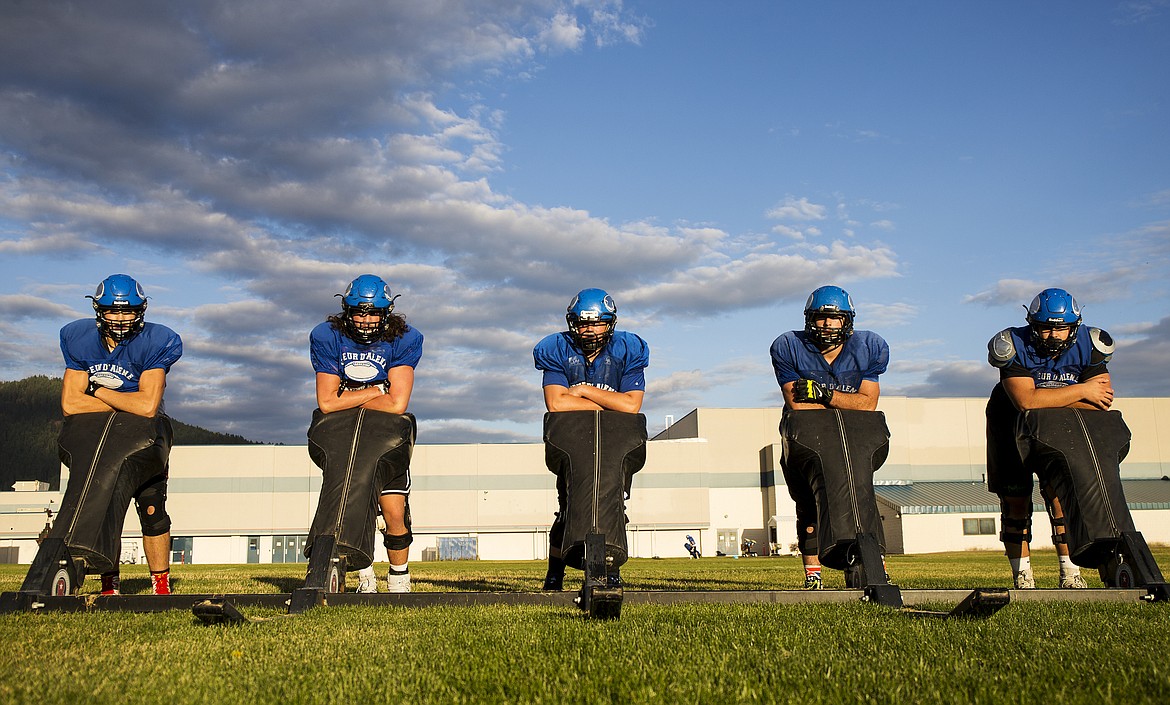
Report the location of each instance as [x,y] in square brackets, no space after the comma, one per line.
[110,454]
[1077,454]
[838,451]
[595,454]
[357,451]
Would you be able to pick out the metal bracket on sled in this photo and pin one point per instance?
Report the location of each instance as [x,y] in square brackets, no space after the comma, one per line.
[1133,566]
[868,571]
[54,572]
[218,611]
[326,574]
[980,604]
[597,598]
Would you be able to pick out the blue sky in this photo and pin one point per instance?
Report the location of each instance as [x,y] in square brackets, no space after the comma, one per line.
[708,164]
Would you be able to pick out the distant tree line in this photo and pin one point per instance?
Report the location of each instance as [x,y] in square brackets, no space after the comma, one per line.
[30,419]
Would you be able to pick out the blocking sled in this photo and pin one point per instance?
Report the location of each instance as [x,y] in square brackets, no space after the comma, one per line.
[358,450]
[1077,455]
[838,451]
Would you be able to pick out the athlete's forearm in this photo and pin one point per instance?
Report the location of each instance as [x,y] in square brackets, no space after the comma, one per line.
[858,401]
[569,402]
[1047,398]
[627,402]
[348,399]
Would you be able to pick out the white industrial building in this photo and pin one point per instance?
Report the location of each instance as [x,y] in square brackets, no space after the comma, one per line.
[714,474]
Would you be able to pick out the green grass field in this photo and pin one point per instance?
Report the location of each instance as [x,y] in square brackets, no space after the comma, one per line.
[1028,652]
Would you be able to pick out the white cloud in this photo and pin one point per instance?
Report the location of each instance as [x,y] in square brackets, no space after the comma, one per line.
[798,209]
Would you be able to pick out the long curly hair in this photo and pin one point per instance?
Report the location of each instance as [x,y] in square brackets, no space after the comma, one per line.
[393,326]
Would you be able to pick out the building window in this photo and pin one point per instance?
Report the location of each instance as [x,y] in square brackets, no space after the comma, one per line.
[181,549]
[289,549]
[978,527]
[457,548]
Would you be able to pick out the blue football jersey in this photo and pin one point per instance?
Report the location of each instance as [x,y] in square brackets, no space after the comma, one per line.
[619,366]
[334,353]
[153,347]
[863,356]
[1076,364]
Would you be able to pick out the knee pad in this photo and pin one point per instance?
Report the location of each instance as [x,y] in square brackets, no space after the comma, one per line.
[397,542]
[1058,536]
[1013,530]
[152,512]
[806,541]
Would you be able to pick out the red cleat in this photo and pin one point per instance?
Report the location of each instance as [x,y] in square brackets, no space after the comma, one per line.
[162,582]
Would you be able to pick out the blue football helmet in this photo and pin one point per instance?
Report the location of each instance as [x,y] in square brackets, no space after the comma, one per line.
[1053,308]
[591,306]
[830,300]
[367,295]
[119,293]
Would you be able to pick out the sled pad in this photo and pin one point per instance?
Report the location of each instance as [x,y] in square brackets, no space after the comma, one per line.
[357,450]
[1077,455]
[838,451]
[109,454]
[595,453]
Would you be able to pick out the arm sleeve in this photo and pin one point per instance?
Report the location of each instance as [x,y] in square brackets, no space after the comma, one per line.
[782,361]
[879,359]
[71,362]
[637,360]
[546,359]
[323,350]
[166,354]
[411,352]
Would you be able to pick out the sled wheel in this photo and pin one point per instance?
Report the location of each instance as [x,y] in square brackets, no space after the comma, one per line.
[1116,573]
[62,584]
[854,569]
[336,581]
[1124,576]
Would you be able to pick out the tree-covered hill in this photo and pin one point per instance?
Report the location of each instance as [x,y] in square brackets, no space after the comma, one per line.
[30,418]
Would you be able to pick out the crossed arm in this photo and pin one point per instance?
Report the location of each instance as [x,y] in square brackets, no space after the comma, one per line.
[584,397]
[865,399]
[394,400]
[1094,393]
[144,402]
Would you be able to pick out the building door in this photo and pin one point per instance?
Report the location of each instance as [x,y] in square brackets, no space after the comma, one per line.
[728,540]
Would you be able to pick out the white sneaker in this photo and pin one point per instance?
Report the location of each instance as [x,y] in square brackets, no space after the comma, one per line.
[367,580]
[397,583]
[1024,580]
[1073,582]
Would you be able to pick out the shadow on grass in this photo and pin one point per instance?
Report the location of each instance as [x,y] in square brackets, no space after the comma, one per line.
[478,584]
[282,584]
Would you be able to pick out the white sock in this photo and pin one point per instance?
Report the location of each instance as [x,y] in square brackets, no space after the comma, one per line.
[1067,568]
[1020,564]
[400,569]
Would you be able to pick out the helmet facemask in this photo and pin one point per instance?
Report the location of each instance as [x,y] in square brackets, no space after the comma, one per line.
[828,336]
[824,301]
[1052,309]
[591,341]
[122,329]
[1052,346]
[368,331]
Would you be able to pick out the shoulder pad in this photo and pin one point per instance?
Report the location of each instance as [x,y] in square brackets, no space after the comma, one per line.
[1001,349]
[1102,342]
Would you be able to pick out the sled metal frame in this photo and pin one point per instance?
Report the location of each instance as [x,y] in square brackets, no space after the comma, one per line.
[14,602]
